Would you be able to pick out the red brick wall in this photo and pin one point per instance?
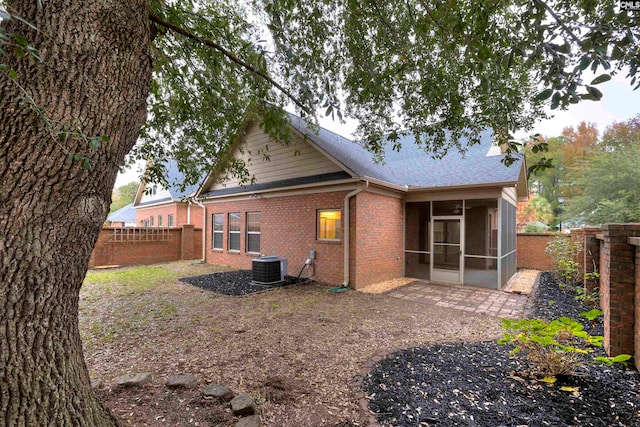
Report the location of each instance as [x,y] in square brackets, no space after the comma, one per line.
[530,251]
[618,287]
[378,239]
[180,212]
[108,251]
[288,230]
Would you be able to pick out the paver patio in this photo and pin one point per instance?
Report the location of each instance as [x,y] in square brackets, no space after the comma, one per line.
[464,298]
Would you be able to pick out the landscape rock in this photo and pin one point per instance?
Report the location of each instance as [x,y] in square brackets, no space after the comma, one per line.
[220,392]
[134,380]
[251,421]
[96,383]
[242,405]
[182,381]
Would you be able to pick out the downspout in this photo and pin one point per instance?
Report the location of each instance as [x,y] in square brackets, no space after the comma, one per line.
[347,232]
[204,231]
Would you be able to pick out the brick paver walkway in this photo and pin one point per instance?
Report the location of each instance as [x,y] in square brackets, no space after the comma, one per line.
[476,300]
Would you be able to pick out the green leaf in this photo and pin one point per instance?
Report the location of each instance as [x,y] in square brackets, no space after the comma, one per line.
[594,93]
[621,358]
[545,94]
[601,79]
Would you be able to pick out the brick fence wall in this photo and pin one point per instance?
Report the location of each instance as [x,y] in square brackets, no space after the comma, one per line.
[134,246]
[614,252]
[530,251]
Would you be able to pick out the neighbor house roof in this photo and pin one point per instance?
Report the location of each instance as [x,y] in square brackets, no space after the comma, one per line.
[124,214]
[412,166]
[175,178]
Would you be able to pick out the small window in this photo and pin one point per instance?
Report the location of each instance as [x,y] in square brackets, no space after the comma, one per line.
[170,220]
[154,190]
[151,220]
[253,232]
[218,223]
[159,220]
[234,232]
[329,224]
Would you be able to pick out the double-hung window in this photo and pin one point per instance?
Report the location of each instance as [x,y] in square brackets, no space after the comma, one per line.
[151,220]
[253,232]
[170,220]
[234,231]
[218,224]
[159,220]
[329,224]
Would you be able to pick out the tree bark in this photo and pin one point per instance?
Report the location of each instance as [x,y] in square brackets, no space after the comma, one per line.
[94,77]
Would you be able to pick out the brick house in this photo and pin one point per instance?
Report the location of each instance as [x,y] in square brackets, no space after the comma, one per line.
[160,207]
[322,196]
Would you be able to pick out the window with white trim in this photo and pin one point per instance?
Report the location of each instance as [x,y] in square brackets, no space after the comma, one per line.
[159,220]
[234,231]
[170,220]
[151,220]
[253,232]
[329,224]
[218,224]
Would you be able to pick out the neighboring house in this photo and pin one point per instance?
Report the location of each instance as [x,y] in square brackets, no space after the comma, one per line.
[160,207]
[322,196]
[123,217]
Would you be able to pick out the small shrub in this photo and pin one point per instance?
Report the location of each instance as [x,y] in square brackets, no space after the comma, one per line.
[557,347]
[564,252]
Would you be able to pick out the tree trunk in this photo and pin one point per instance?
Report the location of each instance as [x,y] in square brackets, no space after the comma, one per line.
[94,77]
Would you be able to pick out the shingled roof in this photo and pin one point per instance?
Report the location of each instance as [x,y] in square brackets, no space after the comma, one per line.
[412,166]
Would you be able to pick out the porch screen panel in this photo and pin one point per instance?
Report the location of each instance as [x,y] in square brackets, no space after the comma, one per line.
[417,244]
[481,243]
[508,241]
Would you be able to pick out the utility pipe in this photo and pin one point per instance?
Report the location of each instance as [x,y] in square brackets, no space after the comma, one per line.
[346,233]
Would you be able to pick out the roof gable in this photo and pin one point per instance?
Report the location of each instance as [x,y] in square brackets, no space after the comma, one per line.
[270,162]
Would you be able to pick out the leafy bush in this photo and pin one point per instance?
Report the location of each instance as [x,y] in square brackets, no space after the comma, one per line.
[564,252]
[533,227]
[557,347]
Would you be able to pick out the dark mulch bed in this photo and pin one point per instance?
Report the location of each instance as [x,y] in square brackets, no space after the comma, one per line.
[479,385]
[236,283]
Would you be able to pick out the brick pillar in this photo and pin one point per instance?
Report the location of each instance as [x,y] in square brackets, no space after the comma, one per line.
[635,241]
[617,287]
[591,253]
[187,238]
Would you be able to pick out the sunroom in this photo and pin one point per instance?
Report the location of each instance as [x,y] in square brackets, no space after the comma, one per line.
[463,239]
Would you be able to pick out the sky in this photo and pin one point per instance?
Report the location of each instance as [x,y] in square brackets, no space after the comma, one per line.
[619,103]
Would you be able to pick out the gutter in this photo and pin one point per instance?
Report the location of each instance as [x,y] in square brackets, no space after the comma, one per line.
[347,198]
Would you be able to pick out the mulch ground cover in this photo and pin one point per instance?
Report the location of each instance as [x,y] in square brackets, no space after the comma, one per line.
[478,384]
[236,283]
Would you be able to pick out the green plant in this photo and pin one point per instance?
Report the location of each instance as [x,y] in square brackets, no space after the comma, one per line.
[591,298]
[564,252]
[557,347]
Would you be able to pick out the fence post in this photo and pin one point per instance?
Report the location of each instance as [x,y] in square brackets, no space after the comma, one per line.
[617,287]
[187,237]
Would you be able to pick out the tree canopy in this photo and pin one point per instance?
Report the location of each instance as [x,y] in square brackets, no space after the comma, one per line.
[443,71]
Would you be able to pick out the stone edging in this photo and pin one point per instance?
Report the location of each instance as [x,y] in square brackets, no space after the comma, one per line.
[527,312]
[358,381]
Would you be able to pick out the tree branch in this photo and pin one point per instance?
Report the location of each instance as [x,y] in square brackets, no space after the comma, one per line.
[559,21]
[239,62]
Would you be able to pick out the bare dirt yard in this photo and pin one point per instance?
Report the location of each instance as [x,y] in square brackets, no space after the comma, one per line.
[295,349]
